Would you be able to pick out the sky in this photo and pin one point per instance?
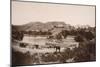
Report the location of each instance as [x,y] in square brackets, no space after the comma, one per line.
[26,12]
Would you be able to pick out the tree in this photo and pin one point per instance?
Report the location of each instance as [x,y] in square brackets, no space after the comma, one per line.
[85,52]
[89,35]
[64,33]
[18,35]
[79,38]
[58,36]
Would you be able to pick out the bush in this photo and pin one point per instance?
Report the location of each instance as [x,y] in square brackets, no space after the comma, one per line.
[19,58]
[85,52]
[89,35]
[79,38]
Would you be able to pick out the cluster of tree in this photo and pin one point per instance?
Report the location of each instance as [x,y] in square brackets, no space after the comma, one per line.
[37,32]
[17,35]
[79,33]
[79,38]
[86,33]
[64,33]
[85,52]
[87,45]
[60,35]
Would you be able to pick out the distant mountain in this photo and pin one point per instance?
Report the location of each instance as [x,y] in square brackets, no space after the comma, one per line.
[33,26]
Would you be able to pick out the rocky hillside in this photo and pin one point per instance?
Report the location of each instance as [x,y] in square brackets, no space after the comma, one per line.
[33,26]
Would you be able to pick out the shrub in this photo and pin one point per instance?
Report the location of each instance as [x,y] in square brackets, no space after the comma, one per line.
[79,38]
[19,58]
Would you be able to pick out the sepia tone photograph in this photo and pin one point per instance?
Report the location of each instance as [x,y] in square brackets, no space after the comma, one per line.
[52,33]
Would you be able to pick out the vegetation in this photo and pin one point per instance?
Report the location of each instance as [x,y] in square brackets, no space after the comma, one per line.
[79,38]
[19,58]
[18,35]
[38,32]
[85,52]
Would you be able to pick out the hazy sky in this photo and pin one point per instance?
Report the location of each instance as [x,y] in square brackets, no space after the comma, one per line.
[25,12]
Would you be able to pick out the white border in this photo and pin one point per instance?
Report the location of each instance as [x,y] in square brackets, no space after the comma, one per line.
[5,33]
